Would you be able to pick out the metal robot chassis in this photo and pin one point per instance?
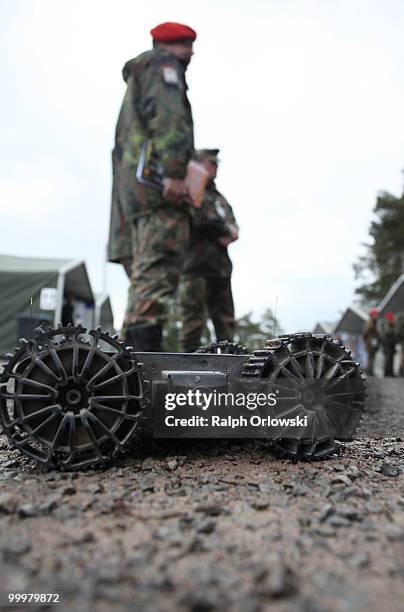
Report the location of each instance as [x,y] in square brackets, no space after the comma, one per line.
[70,399]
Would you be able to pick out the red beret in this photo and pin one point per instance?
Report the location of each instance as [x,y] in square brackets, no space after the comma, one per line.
[374,313]
[389,316]
[170,32]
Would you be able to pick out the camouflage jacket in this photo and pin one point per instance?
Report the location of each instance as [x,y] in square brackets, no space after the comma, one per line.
[371,335]
[390,336]
[206,257]
[400,326]
[155,109]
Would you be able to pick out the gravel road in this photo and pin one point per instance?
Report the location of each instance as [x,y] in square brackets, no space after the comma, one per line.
[214,526]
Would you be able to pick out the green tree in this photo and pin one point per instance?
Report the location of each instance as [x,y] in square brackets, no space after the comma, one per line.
[172,331]
[254,334]
[383,260]
[250,333]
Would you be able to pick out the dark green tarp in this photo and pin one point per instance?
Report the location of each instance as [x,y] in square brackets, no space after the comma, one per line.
[16,291]
[352,321]
[394,299]
[23,278]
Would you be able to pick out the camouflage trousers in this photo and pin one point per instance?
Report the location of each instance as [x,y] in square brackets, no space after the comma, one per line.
[371,351]
[160,241]
[389,352]
[202,297]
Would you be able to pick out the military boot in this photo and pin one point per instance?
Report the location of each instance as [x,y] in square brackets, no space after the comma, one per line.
[144,338]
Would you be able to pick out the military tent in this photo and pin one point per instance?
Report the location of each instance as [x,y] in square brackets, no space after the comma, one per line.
[352,321]
[60,291]
[103,313]
[394,298]
[324,327]
[350,330]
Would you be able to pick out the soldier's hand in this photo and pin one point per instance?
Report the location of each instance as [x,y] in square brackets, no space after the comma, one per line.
[231,237]
[175,190]
[224,241]
[234,232]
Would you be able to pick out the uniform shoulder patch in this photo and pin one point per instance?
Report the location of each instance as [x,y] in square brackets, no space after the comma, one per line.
[170,75]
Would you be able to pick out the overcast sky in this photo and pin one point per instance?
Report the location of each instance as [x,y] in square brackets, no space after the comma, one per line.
[304,98]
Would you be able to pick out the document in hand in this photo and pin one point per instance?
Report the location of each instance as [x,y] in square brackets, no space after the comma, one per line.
[196,180]
[150,173]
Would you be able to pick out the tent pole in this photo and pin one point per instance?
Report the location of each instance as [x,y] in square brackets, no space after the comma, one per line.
[59,298]
[104,269]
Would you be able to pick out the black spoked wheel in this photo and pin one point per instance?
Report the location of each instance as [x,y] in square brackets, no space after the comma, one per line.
[317,383]
[225,347]
[67,402]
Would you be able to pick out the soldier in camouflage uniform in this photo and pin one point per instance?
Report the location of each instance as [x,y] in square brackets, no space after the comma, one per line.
[389,341]
[149,230]
[371,337]
[400,335]
[205,288]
